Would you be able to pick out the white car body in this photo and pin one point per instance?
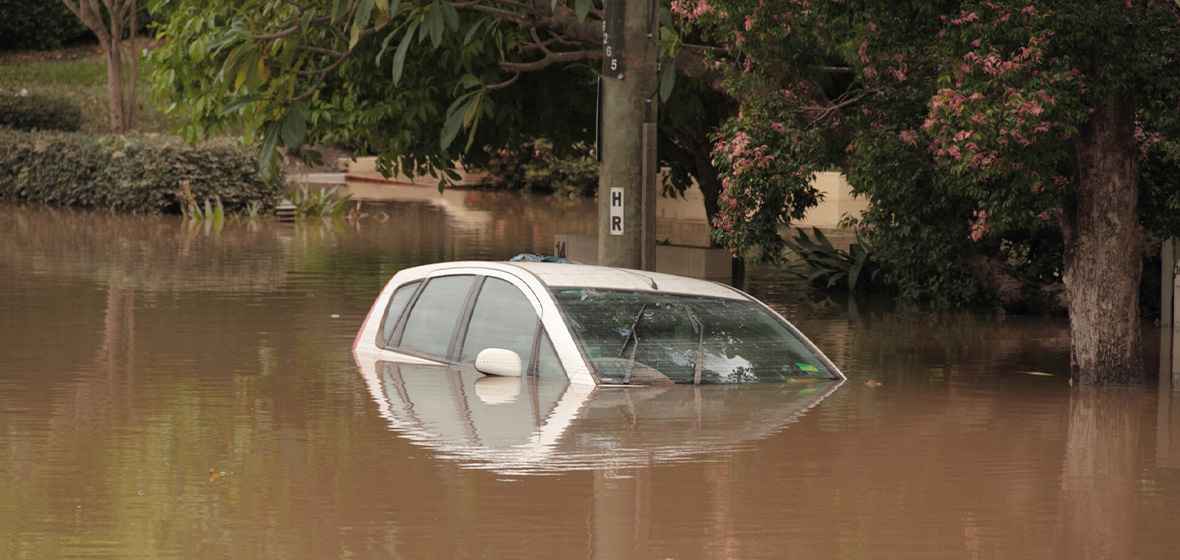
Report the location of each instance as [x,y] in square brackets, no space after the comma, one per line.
[537,282]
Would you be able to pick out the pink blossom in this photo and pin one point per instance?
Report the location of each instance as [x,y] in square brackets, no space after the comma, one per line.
[980,227]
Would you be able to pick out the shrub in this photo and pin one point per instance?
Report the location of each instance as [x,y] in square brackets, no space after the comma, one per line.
[321,203]
[535,168]
[141,174]
[37,24]
[826,267]
[35,112]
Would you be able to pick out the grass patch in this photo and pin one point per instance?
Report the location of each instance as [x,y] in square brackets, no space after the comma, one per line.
[84,82]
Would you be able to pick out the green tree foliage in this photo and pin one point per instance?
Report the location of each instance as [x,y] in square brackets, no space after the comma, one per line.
[988,136]
[419,83]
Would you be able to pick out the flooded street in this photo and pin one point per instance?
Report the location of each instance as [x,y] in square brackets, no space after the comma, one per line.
[170,391]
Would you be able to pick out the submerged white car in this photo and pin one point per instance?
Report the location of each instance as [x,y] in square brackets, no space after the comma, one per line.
[588,325]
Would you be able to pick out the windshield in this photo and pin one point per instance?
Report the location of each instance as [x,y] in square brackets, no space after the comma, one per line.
[643,337]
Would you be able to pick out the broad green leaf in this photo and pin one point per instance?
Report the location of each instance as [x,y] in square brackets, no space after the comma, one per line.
[364,12]
[237,104]
[263,70]
[354,37]
[385,46]
[434,22]
[472,118]
[339,9]
[469,81]
[581,8]
[450,15]
[667,79]
[852,276]
[456,117]
[399,57]
[294,127]
[240,79]
[665,18]
[822,239]
[268,145]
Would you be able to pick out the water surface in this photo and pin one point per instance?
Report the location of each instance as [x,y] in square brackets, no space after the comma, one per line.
[169,391]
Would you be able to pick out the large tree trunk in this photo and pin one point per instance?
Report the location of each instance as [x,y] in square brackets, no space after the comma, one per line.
[1102,257]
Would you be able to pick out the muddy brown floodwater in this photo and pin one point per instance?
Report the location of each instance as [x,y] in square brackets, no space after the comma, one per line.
[169,391]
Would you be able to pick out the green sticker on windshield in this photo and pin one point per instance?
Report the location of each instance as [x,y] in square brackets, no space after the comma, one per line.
[810,369]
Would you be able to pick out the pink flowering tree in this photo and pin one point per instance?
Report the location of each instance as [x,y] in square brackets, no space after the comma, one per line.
[1037,120]
[766,167]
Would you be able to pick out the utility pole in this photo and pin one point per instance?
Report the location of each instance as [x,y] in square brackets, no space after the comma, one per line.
[627,135]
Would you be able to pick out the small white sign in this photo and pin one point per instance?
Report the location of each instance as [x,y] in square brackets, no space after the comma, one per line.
[616,211]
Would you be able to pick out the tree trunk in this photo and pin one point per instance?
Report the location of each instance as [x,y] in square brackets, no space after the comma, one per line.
[115,84]
[1102,258]
[107,20]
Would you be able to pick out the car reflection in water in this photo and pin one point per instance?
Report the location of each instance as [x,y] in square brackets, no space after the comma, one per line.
[527,425]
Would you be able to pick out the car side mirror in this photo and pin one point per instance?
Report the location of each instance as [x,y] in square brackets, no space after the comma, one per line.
[498,361]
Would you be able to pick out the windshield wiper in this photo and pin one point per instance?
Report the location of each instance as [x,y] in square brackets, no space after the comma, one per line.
[699,329]
[631,334]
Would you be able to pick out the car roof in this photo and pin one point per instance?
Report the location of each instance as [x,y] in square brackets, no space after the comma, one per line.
[571,275]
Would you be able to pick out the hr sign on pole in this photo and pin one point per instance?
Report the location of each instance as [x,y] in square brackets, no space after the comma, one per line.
[616,211]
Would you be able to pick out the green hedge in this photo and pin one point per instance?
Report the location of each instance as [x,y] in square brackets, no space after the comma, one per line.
[35,112]
[37,24]
[140,174]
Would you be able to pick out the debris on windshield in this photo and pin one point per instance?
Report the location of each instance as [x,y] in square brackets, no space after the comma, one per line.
[631,334]
[699,330]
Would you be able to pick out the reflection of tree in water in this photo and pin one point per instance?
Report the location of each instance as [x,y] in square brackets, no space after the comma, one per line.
[1101,471]
[143,252]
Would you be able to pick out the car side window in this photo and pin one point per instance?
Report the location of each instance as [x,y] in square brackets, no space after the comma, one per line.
[432,320]
[548,365]
[397,304]
[502,318]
